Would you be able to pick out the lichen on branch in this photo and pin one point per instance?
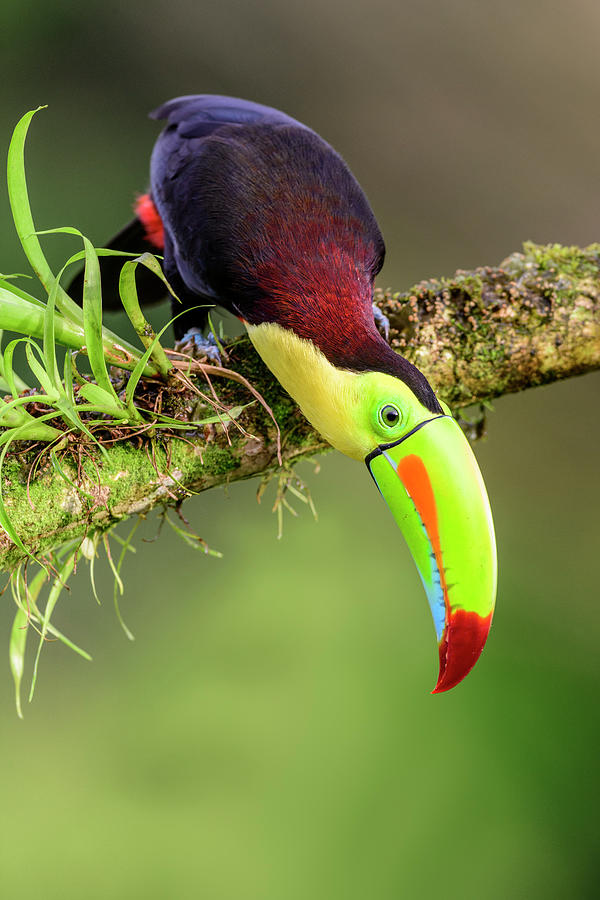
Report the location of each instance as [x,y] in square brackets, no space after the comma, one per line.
[531,320]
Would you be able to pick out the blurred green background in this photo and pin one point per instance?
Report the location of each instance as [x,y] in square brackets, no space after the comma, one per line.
[270,734]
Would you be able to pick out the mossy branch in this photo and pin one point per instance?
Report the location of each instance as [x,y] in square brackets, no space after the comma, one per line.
[532,320]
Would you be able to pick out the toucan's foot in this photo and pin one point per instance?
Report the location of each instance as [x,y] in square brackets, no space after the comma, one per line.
[193,343]
[382,322]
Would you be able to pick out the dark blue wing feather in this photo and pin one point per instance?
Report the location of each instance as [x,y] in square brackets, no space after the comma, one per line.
[197,115]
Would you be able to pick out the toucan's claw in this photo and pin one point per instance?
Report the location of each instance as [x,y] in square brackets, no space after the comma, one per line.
[195,344]
[382,322]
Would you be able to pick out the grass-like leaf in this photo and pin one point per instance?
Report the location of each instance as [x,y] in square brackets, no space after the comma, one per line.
[118,583]
[64,571]
[11,381]
[129,298]
[19,201]
[21,316]
[8,285]
[17,646]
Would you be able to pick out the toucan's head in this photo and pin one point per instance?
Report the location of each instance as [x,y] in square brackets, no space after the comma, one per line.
[423,466]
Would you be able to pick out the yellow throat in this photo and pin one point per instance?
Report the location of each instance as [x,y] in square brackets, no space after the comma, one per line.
[330,398]
[346,407]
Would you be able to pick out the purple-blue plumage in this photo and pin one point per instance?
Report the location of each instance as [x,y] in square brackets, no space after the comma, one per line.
[196,115]
[241,187]
[263,217]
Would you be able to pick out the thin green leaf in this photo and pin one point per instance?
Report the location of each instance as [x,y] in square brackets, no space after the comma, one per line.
[45,379]
[64,571]
[193,540]
[17,645]
[60,471]
[296,493]
[19,292]
[7,365]
[29,428]
[124,542]
[49,344]
[138,371]
[92,316]
[25,318]
[126,546]
[92,320]
[14,275]
[21,402]
[116,575]
[19,202]
[34,613]
[129,298]
[68,642]
[93,577]
[102,400]
[23,219]
[12,381]
[68,406]
[227,415]
[68,378]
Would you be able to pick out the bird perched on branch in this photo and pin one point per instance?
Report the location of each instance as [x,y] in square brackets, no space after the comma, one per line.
[256,213]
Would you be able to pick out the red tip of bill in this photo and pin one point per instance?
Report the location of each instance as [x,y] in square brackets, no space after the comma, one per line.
[460,647]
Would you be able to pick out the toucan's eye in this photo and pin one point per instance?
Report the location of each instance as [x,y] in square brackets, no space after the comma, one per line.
[390,415]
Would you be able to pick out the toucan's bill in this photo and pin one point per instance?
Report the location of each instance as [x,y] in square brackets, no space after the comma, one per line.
[432,484]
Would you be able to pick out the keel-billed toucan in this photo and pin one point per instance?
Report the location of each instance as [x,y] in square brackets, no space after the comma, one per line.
[255,212]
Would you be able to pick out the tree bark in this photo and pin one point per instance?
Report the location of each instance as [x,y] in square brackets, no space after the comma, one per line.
[532,320]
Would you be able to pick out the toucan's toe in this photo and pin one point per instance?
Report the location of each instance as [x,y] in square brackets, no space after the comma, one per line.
[195,344]
[382,322]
